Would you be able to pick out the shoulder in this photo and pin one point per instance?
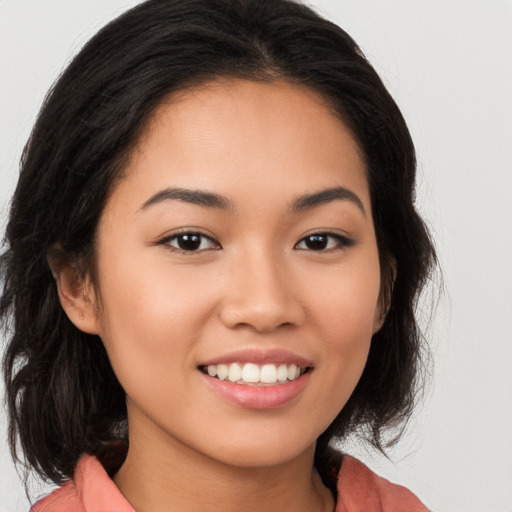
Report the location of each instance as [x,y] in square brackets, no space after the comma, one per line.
[65,498]
[362,490]
[90,490]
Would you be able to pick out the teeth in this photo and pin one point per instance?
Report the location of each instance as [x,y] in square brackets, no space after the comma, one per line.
[235,372]
[282,373]
[268,373]
[222,371]
[251,373]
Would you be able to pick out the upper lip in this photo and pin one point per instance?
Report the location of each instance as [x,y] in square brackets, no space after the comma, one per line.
[259,356]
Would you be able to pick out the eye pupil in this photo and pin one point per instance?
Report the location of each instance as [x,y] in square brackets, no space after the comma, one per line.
[316,242]
[189,242]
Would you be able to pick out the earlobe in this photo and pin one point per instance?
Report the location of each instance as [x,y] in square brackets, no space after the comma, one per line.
[385,296]
[380,315]
[76,295]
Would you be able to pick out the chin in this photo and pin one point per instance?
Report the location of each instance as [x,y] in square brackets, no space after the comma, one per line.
[263,451]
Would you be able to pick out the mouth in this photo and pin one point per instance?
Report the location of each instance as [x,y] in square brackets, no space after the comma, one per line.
[255,378]
[253,374]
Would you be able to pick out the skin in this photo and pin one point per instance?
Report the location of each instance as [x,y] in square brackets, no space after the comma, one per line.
[253,284]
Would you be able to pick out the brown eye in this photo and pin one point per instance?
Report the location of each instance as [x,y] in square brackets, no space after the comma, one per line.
[191,242]
[323,242]
[316,242]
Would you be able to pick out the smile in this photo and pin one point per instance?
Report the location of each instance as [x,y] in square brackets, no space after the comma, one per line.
[254,374]
[254,378]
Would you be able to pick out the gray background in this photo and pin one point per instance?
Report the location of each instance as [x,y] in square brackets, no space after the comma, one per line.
[448,64]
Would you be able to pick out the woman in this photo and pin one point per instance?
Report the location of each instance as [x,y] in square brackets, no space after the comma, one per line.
[212,263]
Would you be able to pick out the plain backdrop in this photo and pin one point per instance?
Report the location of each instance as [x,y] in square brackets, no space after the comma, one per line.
[448,65]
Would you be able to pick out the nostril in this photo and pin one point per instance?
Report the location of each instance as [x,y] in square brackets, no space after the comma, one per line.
[262,317]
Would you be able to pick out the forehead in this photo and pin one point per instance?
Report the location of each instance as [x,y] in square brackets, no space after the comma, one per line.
[259,138]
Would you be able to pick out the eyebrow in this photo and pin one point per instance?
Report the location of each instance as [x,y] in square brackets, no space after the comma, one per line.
[309,201]
[207,199]
[218,202]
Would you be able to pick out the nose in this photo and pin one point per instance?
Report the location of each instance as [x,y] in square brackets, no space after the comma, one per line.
[261,294]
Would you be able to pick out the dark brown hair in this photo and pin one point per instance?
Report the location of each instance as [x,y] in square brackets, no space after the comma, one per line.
[62,394]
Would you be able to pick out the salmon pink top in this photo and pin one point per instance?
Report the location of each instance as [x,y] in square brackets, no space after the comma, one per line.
[359,490]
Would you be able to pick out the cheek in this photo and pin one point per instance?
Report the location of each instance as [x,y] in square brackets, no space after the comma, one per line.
[152,313]
[345,309]
[346,300]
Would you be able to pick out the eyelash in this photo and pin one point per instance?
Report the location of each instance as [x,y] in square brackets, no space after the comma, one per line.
[190,234]
[340,242]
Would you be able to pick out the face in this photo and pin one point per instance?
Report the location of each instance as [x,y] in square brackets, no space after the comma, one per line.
[238,273]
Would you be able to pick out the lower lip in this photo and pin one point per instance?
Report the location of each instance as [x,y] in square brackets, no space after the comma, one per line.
[258,397]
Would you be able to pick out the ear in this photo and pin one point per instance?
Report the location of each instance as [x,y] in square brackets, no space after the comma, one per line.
[76,294]
[385,296]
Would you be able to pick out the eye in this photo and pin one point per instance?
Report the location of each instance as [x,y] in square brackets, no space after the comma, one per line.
[324,242]
[191,242]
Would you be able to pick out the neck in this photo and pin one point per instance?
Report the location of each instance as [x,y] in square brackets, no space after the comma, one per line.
[172,477]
